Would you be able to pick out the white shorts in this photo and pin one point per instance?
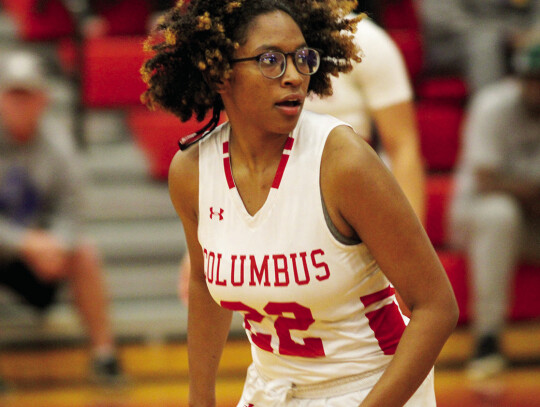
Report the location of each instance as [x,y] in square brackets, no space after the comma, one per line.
[343,392]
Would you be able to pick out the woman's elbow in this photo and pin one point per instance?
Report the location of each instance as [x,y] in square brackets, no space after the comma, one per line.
[450,310]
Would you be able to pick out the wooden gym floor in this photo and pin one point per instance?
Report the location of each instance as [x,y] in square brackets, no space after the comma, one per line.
[158,375]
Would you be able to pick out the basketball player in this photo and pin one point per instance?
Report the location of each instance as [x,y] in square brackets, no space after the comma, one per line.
[290,218]
[377,90]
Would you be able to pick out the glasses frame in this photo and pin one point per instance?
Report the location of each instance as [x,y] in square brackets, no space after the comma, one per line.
[286,56]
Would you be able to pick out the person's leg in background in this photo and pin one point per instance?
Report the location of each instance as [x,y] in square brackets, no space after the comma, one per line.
[84,273]
[18,278]
[494,226]
[89,294]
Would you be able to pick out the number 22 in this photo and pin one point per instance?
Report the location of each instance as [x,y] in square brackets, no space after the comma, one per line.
[303,318]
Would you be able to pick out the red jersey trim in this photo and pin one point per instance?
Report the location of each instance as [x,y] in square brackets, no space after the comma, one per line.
[227,165]
[386,322]
[279,173]
[283,162]
[369,299]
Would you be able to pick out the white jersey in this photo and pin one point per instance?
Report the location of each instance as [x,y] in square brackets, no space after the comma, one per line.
[315,307]
[379,81]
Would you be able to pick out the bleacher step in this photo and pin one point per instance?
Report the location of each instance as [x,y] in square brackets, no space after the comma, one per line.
[154,239]
[115,163]
[112,202]
[147,320]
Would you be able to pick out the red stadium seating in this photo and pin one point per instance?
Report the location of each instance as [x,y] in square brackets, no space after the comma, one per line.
[439,126]
[157,133]
[48,20]
[524,288]
[400,14]
[451,90]
[438,190]
[410,44]
[455,265]
[125,17]
[110,74]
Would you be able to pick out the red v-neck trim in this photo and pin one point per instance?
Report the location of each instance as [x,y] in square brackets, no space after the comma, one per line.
[283,162]
[279,173]
[227,165]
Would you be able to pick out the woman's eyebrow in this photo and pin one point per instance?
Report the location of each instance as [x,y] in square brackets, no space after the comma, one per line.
[269,47]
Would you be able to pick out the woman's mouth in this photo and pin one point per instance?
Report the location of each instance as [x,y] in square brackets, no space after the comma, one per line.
[290,107]
[289,103]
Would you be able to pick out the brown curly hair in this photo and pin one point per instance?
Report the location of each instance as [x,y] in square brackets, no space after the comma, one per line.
[195,41]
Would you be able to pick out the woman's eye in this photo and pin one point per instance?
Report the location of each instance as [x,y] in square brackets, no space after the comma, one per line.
[269,59]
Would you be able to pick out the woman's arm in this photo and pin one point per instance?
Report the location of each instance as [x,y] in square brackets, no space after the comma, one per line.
[208,323]
[364,199]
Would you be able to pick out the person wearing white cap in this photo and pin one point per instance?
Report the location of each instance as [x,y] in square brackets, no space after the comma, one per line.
[40,211]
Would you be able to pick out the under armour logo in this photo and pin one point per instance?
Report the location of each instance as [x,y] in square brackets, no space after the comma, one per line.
[215,213]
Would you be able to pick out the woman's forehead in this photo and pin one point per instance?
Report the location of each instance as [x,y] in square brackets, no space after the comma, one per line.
[274,29]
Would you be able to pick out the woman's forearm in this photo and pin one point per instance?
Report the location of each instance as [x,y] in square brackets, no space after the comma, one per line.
[415,356]
[208,328]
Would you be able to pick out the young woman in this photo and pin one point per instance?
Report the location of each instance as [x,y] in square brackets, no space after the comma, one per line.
[290,218]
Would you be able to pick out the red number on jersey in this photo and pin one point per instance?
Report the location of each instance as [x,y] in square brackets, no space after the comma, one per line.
[302,320]
[250,314]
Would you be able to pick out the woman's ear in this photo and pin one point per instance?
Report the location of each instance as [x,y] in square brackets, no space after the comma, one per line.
[218,86]
[222,86]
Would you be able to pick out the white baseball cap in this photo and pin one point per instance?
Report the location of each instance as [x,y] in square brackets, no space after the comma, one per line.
[22,70]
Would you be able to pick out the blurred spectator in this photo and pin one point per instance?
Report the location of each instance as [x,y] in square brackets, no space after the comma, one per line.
[378,91]
[472,37]
[40,211]
[495,214]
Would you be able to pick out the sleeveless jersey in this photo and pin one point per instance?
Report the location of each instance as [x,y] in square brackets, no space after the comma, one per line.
[314,308]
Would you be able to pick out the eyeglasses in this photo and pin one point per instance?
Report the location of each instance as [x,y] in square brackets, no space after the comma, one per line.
[273,64]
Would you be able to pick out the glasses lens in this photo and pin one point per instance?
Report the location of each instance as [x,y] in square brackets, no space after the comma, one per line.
[307,61]
[272,64]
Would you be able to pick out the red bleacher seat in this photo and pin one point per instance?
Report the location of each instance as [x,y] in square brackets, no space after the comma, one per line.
[400,14]
[453,90]
[439,126]
[455,265]
[110,74]
[439,189]
[157,134]
[524,305]
[40,21]
[125,17]
[410,44]
[526,302]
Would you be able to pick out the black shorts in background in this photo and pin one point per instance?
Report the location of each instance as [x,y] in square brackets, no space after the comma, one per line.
[20,279]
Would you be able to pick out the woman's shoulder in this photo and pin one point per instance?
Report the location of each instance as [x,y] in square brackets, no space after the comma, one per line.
[344,147]
[185,162]
[184,176]
[316,123]
[348,160]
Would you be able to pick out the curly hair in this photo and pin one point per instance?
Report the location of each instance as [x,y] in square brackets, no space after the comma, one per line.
[194,42]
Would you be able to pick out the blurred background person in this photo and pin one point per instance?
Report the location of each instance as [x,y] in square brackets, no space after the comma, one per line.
[378,91]
[495,214]
[40,211]
[472,37]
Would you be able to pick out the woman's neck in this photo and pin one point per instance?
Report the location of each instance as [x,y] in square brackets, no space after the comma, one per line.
[255,149]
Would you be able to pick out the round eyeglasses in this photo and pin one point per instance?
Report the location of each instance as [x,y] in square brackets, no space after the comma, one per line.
[273,64]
